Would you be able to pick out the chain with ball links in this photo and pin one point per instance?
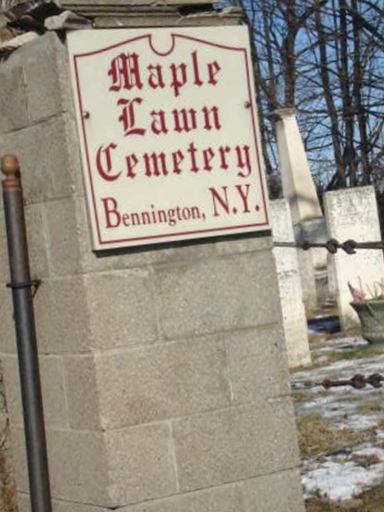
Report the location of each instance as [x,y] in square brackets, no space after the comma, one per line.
[358,381]
[332,245]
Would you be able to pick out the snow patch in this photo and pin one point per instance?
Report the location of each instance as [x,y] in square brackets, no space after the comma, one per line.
[340,481]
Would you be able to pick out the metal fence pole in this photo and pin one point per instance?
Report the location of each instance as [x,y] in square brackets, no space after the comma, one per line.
[26,336]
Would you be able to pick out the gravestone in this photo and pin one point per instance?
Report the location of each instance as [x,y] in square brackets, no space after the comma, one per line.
[352,214]
[294,320]
[299,189]
[313,263]
[164,370]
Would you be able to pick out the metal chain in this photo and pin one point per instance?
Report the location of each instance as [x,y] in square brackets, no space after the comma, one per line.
[332,245]
[358,381]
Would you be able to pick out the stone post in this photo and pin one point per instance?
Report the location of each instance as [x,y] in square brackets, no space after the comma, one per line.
[164,369]
[299,189]
[298,185]
[291,295]
[352,214]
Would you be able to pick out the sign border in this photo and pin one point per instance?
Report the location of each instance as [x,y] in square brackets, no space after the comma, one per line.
[230,229]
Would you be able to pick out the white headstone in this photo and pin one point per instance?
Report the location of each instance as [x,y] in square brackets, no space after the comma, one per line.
[294,321]
[308,280]
[331,277]
[352,214]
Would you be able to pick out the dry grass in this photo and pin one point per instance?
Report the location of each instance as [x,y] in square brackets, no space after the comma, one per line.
[5,35]
[319,504]
[366,461]
[316,437]
[373,500]
[344,355]
[369,501]
[380,424]
[299,397]
[368,407]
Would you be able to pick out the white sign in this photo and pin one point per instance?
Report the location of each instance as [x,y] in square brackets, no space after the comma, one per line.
[169,136]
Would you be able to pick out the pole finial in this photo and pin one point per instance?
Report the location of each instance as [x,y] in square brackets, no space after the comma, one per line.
[10,165]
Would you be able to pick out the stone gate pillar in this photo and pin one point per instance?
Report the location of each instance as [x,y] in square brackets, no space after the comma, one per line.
[164,370]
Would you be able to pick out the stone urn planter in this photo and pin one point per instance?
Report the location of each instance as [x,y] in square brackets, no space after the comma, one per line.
[371,315]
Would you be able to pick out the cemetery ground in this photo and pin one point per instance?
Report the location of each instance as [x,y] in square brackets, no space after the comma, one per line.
[341,430]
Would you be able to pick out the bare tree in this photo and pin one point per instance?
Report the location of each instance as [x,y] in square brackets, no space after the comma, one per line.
[325,58]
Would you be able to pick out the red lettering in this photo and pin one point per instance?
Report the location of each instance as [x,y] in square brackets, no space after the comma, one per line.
[155,164]
[131,161]
[244,196]
[155,79]
[125,219]
[223,150]
[185,120]
[207,118]
[177,158]
[111,212]
[124,72]
[128,118]
[158,124]
[178,213]
[192,151]
[179,77]
[104,162]
[213,69]
[243,161]
[196,72]
[222,200]
[208,155]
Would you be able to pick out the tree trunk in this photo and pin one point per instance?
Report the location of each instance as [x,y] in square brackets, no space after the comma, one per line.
[357,94]
[324,74]
[349,157]
[289,57]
